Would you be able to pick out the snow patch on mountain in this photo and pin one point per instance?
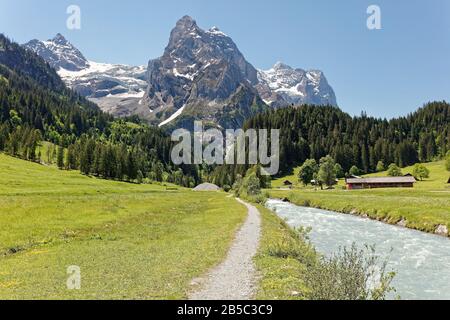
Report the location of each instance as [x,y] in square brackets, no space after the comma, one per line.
[216,31]
[110,79]
[173,117]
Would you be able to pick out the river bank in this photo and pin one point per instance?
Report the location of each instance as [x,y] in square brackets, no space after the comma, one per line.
[425,211]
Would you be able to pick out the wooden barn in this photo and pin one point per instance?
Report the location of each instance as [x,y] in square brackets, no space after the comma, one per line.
[382,182]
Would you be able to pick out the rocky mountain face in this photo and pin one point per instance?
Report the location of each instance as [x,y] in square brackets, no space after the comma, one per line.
[117,89]
[282,86]
[59,53]
[201,75]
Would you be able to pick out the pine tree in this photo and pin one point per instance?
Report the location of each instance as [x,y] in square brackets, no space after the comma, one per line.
[139,177]
[159,170]
[447,161]
[132,168]
[71,160]
[60,158]
[339,171]
[85,167]
[97,160]
[365,158]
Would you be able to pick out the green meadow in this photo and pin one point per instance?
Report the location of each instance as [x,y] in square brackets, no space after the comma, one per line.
[424,207]
[130,241]
[149,241]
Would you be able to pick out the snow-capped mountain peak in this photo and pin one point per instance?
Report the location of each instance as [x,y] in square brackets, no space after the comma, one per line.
[201,75]
[201,72]
[283,85]
[281,66]
[59,53]
[60,40]
[115,88]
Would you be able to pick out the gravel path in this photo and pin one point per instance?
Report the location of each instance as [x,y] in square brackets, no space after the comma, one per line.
[235,278]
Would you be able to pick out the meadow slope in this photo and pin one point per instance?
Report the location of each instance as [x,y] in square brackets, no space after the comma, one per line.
[130,241]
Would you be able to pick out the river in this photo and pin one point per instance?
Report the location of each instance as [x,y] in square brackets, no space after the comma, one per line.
[420,260]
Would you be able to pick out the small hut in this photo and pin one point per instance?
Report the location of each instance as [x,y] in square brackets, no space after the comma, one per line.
[207,187]
[288,184]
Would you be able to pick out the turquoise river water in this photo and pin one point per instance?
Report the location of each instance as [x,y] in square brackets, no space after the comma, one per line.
[421,260]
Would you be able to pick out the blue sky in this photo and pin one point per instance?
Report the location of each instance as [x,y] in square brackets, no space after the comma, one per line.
[386,72]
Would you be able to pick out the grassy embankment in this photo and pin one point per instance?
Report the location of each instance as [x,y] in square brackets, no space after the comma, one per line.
[424,207]
[130,241]
[282,260]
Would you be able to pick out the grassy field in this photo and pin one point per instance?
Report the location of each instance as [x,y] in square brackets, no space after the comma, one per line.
[130,241]
[424,207]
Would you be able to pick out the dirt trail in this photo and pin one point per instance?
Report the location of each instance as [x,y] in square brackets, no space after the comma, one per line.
[235,278]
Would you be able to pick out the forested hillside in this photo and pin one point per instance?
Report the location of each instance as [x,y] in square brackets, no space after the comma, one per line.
[36,106]
[26,63]
[311,132]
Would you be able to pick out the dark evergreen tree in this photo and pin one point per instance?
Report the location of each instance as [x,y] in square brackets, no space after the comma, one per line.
[60,158]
